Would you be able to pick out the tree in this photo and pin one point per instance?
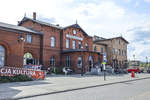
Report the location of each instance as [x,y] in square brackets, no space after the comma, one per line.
[141,65]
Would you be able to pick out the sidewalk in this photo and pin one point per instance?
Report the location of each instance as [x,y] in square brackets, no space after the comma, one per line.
[60,83]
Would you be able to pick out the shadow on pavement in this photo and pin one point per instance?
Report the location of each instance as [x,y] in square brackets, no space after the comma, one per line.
[7,89]
[85,75]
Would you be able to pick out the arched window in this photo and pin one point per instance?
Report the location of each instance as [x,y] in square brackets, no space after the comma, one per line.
[52,42]
[52,61]
[79,62]
[74,31]
[2,56]
[28,58]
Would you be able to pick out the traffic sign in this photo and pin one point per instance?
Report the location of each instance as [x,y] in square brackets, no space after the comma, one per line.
[104,57]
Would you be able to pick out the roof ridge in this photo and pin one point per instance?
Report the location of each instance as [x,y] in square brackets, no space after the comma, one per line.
[40,22]
[16,27]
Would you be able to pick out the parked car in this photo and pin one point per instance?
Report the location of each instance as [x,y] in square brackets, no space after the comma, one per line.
[134,66]
[134,69]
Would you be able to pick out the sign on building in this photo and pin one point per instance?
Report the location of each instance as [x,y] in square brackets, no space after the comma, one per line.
[12,71]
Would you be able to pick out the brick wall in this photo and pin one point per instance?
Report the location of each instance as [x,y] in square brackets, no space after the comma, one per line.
[14,49]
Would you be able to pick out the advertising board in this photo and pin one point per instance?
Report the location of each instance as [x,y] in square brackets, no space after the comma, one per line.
[12,71]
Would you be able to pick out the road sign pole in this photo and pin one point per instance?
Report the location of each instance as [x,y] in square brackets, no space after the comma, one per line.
[104,75]
[104,72]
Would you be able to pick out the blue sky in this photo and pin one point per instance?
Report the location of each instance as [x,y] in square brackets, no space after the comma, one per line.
[105,18]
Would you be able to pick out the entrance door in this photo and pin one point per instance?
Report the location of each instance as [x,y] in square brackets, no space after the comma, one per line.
[2,56]
[28,59]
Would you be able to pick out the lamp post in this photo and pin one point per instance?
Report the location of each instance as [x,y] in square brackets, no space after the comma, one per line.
[20,39]
[146,61]
[134,57]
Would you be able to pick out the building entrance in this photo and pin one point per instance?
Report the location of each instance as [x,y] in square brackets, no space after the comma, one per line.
[28,59]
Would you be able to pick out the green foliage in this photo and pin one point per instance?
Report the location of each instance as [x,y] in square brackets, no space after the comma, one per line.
[141,65]
[17,78]
[144,65]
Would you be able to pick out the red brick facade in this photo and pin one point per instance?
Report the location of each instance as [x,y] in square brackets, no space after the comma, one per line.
[41,48]
[14,49]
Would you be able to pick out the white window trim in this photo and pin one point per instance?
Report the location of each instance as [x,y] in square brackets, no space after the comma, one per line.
[29,38]
[73,44]
[52,41]
[67,43]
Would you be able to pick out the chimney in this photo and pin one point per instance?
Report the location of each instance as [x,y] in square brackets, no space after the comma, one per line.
[57,24]
[34,15]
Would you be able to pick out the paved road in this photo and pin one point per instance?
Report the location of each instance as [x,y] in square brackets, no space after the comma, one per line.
[136,90]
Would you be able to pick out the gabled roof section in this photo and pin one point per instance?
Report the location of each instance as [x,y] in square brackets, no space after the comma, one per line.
[112,39]
[76,26]
[17,28]
[39,22]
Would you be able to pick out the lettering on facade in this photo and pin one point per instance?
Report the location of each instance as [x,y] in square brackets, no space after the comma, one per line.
[74,37]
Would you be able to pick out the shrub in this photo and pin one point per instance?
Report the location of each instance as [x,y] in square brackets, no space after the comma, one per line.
[58,70]
[22,78]
[17,78]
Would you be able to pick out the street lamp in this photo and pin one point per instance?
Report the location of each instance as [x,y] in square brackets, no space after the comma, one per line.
[146,60]
[20,39]
[134,57]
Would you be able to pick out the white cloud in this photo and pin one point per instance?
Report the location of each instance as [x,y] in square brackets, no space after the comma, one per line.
[137,3]
[147,1]
[99,17]
[139,42]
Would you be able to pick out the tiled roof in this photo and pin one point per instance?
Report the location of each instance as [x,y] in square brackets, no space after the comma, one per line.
[111,39]
[19,28]
[40,22]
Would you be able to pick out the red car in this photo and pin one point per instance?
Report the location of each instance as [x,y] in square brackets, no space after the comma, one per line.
[133,68]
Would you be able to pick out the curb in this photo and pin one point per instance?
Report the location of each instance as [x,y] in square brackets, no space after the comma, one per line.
[23,97]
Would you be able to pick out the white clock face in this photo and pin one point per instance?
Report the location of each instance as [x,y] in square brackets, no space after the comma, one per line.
[74,31]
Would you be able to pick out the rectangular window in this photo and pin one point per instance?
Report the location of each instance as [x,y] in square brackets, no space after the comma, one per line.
[122,53]
[87,48]
[68,61]
[52,42]
[74,44]
[67,43]
[116,51]
[119,52]
[101,50]
[119,41]
[80,45]
[113,51]
[95,49]
[29,38]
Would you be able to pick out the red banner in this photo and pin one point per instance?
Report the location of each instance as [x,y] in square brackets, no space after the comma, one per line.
[11,71]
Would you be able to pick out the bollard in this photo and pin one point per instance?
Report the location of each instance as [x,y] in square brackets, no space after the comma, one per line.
[132,74]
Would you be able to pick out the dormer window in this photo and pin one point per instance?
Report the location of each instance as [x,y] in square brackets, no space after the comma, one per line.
[74,31]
